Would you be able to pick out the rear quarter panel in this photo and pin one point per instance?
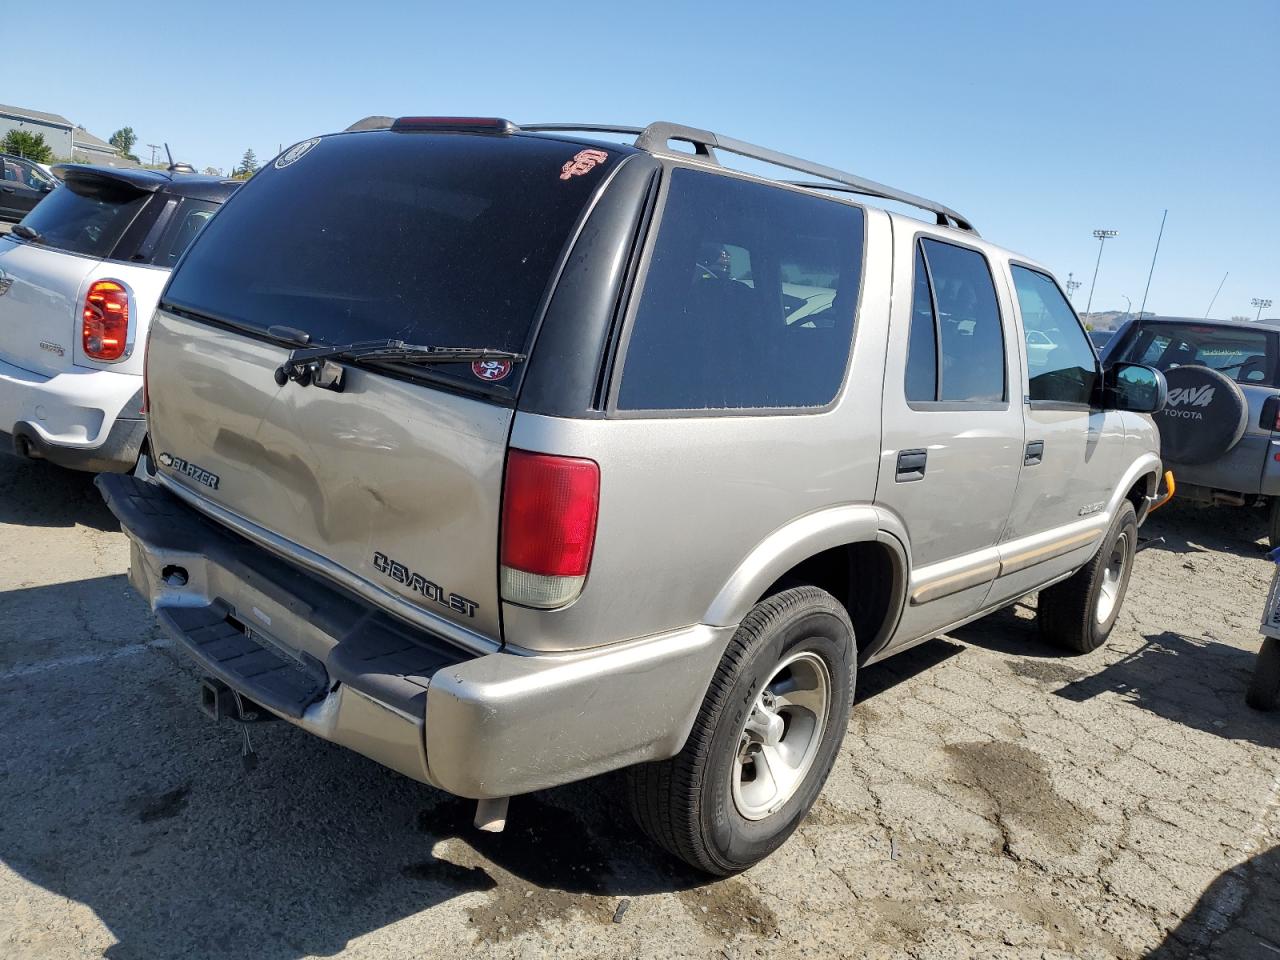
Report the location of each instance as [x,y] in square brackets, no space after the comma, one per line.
[688,502]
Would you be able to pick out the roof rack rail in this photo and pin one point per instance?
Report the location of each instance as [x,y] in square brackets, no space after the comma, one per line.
[658,136]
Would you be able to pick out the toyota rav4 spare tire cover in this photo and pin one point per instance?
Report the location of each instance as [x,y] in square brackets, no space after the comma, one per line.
[1204,417]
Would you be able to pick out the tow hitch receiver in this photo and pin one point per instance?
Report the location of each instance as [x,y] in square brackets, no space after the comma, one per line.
[219,702]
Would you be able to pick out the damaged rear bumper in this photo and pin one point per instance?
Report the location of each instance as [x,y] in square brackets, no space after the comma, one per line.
[330,662]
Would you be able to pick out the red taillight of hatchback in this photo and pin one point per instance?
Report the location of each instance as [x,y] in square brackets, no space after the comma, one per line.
[549,510]
[105,330]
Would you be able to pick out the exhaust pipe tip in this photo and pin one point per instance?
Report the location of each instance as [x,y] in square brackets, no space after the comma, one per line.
[23,447]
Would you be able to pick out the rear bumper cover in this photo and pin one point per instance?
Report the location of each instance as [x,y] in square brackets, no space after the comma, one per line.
[333,664]
[84,419]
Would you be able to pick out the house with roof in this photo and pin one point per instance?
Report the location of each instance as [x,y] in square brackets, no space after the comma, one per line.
[68,141]
[56,130]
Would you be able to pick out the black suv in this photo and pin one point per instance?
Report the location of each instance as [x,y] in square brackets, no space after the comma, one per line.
[22,186]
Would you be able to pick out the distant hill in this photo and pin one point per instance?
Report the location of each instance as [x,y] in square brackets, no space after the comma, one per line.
[1112,319]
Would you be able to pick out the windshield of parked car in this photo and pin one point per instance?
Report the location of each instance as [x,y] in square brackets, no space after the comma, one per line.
[445,239]
[1245,355]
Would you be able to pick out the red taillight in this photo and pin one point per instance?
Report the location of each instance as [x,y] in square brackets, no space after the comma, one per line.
[106,320]
[549,510]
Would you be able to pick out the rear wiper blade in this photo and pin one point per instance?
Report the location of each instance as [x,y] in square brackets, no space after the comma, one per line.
[312,364]
[26,233]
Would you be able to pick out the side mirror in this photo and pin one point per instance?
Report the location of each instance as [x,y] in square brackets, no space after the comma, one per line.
[46,187]
[1135,387]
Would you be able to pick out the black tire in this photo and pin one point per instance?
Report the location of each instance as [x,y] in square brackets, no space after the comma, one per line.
[1204,417]
[1273,522]
[1068,612]
[1264,689]
[687,803]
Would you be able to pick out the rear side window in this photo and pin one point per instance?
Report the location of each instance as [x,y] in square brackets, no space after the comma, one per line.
[85,219]
[1246,356]
[1061,364]
[956,347]
[444,239]
[749,299]
[188,220]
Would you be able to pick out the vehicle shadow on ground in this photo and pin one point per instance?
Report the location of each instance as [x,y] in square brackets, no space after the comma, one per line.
[1197,683]
[93,617]
[116,793]
[34,493]
[887,674]
[1234,919]
[1188,528]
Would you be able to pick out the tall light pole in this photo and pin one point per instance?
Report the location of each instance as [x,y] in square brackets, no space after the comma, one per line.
[1072,286]
[1259,302]
[1128,305]
[1103,236]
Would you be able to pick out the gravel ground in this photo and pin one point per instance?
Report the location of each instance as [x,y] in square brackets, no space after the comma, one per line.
[994,798]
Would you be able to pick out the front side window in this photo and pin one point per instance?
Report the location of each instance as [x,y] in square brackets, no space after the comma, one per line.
[749,299]
[1061,364]
[27,174]
[955,328]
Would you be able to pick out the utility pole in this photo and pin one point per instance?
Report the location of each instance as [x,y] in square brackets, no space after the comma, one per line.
[154,147]
[1215,294]
[1072,287]
[1103,236]
[1159,235]
[1259,302]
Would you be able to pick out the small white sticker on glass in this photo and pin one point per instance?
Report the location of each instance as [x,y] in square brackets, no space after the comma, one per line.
[295,153]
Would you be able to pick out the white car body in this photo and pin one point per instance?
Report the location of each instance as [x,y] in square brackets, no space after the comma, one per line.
[56,401]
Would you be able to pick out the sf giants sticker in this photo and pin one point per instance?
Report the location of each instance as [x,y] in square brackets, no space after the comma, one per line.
[584,161]
[492,370]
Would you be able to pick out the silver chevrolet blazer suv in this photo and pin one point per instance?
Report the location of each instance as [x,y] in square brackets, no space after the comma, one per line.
[509,456]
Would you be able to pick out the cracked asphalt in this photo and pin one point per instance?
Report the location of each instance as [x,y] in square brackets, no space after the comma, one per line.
[993,798]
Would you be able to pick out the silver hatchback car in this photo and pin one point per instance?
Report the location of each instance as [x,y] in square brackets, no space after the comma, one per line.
[507,457]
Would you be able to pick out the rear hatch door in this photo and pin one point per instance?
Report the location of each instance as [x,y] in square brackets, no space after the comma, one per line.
[392,486]
[45,278]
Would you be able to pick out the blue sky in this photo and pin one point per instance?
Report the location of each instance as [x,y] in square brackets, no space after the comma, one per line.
[1039,121]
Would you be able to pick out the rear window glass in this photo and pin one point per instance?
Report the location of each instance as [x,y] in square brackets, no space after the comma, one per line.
[749,300]
[1244,355]
[85,220]
[437,239]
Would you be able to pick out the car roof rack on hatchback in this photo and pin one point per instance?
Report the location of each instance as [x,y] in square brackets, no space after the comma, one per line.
[657,136]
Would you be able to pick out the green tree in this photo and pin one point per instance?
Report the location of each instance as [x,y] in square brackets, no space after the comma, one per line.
[248,165]
[28,145]
[124,139]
